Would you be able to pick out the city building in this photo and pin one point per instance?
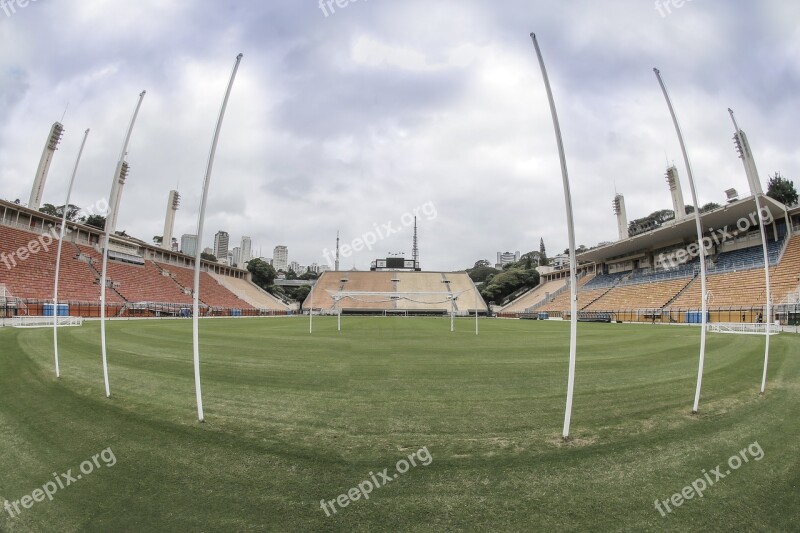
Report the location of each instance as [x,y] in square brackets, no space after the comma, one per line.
[221,240]
[246,250]
[189,244]
[504,258]
[280,258]
[236,256]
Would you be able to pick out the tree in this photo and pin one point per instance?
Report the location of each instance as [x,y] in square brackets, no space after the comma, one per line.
[782,190]
[208,257]
[542,253]
[507,282]
[308,275]
[158,239]
[96,221]
[581,248]
[482,263]
[302,292]
[262,272]
[50,209]
[710,206]
[481,274]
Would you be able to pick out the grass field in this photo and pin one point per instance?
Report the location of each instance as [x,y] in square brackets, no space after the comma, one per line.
[293,419]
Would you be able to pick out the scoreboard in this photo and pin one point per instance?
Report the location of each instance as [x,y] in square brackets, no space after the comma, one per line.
[394,263]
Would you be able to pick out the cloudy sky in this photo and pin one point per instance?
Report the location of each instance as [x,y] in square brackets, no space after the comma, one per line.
[351,117]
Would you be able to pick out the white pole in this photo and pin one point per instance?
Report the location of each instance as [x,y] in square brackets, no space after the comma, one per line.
[702,249]
[311,313]
[200,222]
[58,253]
[750,164]
[452,313]
[112,209]
[573,263]
[339,316]
[476,311]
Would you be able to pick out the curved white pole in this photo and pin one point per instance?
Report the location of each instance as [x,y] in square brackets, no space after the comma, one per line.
[748,165]
[58,253]
[702,248]
[112,209]
[573,263]
[476,311]
[200,222]
[311,313]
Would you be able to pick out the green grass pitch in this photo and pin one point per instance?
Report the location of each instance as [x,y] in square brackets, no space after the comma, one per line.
[293,418]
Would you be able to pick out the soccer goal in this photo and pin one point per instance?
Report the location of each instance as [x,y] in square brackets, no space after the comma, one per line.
[395,312]
[394,303]
[45,321]
[741,328]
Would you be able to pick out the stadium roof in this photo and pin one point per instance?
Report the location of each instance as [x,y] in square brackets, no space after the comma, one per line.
[684,229]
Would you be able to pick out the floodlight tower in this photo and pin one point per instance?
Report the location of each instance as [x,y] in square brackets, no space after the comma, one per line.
[415,248]
[50,147]
[173,202]
[337,251]
[116,194]
[622,216]
[743,147]
[674,183]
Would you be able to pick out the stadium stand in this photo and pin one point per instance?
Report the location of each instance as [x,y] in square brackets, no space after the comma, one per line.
[250,293]
[32,278]
[139,284]
[136,283]
[641,296]
[534,296]
[212,293]
[394,282]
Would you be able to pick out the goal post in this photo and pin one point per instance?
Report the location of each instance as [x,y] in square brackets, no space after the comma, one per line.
[395,303]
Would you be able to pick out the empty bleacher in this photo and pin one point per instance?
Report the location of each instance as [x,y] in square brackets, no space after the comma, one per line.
[131,285]
[586,295]
[640,296]
[249,292]
[463,287]
[745,258]
[32,278]
[137,283]
[393,282]
[534,296]
[413,282]
[212,293]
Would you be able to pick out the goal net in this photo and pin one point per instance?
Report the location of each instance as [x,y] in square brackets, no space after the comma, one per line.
[388,303]
[45,321]
[742,328]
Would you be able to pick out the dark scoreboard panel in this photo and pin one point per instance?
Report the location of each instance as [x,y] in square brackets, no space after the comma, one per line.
[395,262]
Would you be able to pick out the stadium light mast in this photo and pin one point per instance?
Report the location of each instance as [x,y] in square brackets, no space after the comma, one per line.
[119,177]
[197,258]
[50,147]
[173,203]
[336,266]
[743,147]
[58,253]
[573,263]
[700,245]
